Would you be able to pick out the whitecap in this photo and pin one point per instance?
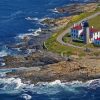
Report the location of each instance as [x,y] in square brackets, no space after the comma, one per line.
[3,53]
[3,64]
[3,74]
[26,97]
[93,83]
[8,81]
[11,85]
[55,82]
[22,36]
[54,10]
[57,86]
[31,19]
[35,19]
[31,30]
[52,88]
[43,19]
[15,85]
[36,33]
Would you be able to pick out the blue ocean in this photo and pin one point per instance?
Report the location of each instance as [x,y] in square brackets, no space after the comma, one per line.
[22,17]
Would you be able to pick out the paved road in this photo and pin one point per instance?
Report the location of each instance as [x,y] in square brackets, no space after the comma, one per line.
[59,38]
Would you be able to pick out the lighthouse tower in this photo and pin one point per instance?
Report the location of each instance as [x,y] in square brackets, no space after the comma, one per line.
[86,32]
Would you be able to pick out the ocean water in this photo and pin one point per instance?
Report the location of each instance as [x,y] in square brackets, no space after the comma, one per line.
[14,89]
[22,17]
[19,18]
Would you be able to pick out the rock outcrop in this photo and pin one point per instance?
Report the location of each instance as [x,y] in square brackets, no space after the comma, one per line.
[34,59]
[65,71]
[78,8]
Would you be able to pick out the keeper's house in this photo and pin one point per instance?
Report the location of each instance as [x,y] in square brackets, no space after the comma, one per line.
[86,34]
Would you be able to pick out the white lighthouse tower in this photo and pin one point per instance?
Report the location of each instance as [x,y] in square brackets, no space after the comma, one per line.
[86,31]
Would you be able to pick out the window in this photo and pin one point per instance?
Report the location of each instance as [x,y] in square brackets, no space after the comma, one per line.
[72,30]
[76,31]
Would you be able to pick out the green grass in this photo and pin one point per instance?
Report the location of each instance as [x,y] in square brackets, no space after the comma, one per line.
[95,22]
[56,47]
[89,46]
[67,39]
[78,44]
[84,15]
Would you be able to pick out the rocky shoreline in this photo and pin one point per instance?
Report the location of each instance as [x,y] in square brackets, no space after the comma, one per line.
[53,67]
[64,71]
[78,8]
[38,58]
[44,66]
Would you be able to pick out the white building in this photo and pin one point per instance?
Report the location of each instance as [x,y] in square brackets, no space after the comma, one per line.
[97,41]
[85,33]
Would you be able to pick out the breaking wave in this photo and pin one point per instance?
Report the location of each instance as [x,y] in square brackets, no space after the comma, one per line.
[10,85]
[34,33]
[42,19]
[2,64]
[21,36]
[32,19]
[15,85]
[56,90]
[31,30]
[3,53]
[54,10]
[26,97]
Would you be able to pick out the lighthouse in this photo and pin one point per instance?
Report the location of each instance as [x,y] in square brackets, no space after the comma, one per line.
[86,31]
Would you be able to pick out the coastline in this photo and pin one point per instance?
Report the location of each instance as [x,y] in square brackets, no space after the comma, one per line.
[34,65]
[47,67]
[66,71]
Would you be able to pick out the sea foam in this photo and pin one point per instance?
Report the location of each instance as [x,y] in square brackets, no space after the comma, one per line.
[55,10]
[26,97]
[11,85]
[15,85]
[3,53]
[21,36]
[31,19]
[34,33]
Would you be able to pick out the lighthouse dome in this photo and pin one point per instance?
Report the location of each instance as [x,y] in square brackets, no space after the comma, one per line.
[85,24]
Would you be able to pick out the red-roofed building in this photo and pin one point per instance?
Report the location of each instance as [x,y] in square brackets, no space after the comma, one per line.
[86,34]
[76,31]
[97,41]
[77,27]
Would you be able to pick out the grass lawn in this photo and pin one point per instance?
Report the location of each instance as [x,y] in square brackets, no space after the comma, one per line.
[67,39]
[78,44]
[95,22]
[56,47]
[77,18]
